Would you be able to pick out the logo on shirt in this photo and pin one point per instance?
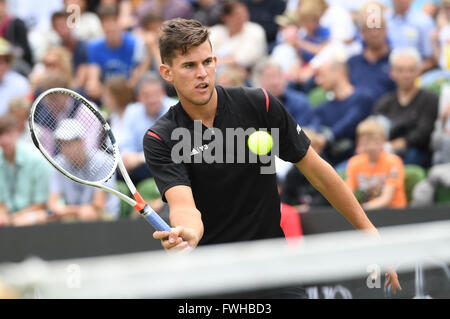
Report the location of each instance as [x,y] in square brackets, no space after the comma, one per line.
[299,129]
[224,147]
[198,150]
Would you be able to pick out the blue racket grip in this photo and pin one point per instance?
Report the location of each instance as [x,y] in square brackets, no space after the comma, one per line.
[154,219]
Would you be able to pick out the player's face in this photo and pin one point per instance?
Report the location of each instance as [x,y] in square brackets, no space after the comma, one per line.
[193,74]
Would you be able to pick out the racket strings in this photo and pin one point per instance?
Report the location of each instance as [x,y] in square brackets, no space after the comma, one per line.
[74,137]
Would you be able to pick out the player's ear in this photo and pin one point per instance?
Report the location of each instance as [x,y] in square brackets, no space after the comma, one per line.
[166,72]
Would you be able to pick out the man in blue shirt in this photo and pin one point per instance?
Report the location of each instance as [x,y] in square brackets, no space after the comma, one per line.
[138,118]
[269,75]
[117,53]
[370,69]
[411,28]
[337,119]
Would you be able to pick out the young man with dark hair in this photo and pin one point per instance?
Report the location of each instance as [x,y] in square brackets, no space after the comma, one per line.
[217,202]
[118,53]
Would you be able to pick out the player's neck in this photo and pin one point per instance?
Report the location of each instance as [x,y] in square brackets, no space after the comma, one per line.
[205,113]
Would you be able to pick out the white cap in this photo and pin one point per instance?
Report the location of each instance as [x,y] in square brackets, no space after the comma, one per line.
[69,129]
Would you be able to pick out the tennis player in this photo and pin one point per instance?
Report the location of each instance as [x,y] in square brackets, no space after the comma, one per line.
[212,203]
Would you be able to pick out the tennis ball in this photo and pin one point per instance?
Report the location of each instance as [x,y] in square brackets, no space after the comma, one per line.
[260,142]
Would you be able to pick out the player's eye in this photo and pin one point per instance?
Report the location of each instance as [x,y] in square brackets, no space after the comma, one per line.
[188,65]
[208,61]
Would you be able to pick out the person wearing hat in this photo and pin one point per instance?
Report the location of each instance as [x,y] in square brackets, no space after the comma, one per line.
[69,199]
[24,178]
[12,84]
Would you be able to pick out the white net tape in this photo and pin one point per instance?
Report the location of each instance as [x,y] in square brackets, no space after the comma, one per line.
[229,268]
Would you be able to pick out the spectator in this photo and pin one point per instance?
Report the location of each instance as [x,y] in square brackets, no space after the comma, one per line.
[76,47]
[208,11]
[441,49]
[374,60]
[411,28]
[375,176]
[69,199]
[14,30]
[269,75]
[116,97]
[285,52]
[313,36]
[88,27]
[263,12]
[410,111]
[148,33]
[230,76]
[238,42]
[168,9]
[118,53]
[12,84]
[24,178]
[56,59]
[438,175]
[127,11]
[19,108]
[55,112]
[429,7]
[152,104]
[337,119]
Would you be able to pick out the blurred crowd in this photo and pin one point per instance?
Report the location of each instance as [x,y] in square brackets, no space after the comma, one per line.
[366,80]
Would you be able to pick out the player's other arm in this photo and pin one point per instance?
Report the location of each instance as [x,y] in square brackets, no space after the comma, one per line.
[185,219]
[325,179]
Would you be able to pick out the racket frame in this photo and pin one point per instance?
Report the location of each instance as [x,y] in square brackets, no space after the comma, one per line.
[146,211]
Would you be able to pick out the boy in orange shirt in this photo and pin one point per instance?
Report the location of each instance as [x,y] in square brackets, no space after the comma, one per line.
[377,177]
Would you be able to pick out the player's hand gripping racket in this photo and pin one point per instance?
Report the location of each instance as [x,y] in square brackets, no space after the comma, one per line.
[75,138]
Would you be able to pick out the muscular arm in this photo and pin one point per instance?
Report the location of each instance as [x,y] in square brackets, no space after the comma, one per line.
[185,219]
[324,178]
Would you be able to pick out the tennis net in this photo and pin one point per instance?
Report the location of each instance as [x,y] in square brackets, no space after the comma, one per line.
[334,265]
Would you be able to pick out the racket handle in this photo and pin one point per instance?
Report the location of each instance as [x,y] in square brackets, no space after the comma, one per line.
[154,219]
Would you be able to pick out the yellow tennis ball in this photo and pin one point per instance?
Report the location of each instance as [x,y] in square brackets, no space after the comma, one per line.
[260,142]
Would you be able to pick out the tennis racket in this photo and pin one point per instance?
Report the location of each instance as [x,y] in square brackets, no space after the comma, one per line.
[74,137]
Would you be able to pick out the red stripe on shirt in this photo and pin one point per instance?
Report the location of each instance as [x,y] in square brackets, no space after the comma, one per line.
[154,135]
[267,100]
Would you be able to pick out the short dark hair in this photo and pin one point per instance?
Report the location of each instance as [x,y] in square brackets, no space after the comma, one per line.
[180,34]
[8,123]
[104,12]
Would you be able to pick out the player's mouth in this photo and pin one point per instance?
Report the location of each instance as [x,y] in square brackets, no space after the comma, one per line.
[202,87]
